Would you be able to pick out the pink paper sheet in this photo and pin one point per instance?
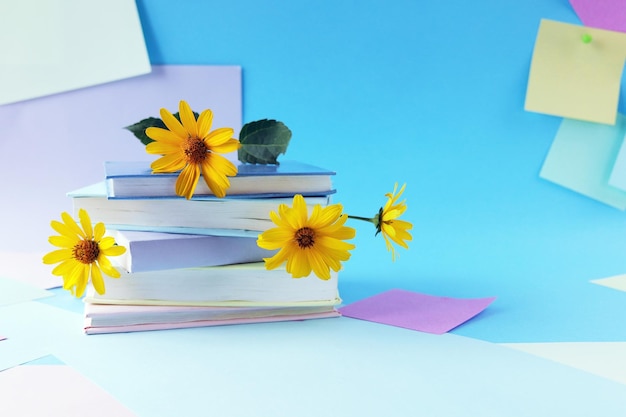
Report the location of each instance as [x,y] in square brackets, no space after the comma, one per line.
[602,14]
[415,311]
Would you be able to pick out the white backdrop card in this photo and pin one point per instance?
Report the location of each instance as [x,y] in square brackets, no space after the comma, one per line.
[51,46]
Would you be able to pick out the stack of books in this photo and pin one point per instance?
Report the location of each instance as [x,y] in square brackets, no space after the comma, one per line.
[192,263]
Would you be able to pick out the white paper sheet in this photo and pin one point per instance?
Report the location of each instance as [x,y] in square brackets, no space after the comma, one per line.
[55,390]
[51,46]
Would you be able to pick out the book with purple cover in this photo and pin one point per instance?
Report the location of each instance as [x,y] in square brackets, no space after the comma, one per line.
[150,251]
[136,180]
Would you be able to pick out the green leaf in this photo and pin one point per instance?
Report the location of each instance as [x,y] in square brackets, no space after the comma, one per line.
[139,129]
[263,141]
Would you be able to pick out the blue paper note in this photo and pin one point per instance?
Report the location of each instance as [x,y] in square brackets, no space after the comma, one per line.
[582,157]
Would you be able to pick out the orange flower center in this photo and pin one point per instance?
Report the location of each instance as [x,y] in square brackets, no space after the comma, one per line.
[305,237]
[86,251]
[195,150]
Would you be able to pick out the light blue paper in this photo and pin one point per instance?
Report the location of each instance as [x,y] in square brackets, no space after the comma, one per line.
[618,174]
[12,291]
[582,157]
[341,366]
[32,330]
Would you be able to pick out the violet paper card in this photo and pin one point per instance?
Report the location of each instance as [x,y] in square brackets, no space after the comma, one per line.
[604,14]
[415,311]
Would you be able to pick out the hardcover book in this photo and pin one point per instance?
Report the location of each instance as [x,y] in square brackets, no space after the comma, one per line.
[242,285]
[136,180]
[101,318]
[150,251]
[178,214]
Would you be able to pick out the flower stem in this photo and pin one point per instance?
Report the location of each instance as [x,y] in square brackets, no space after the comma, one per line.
[365,219]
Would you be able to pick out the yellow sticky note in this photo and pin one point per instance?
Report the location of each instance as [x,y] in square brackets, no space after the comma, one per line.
[576,72]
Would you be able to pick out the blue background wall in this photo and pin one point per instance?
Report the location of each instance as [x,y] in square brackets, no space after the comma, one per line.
[431,94]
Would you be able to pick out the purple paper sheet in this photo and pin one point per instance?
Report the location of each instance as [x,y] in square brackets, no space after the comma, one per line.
[67,138]
[415,311]
[602,14]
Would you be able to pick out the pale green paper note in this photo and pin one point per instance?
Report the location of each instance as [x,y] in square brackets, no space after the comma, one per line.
[581,158]
[605,359]
[617,282]
[576,79]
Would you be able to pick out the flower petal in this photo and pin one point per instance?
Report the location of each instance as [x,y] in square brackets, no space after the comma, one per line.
[56,256]
[320,268]
[298,264]
[81,278]
[275,238]
[230,146]
[325,216]
[96,279]
[63,229]
[85,222]
[222,165]
[98,231]
[205,120]
[106,242]
[188,119]
[187,181]
[114,251]
[278,259]
[219,137]
[173,124]
[107,267]
[163,137]
[63,241]
[300,212]
[163,148]
[216,181]
[169,163]
[69,222]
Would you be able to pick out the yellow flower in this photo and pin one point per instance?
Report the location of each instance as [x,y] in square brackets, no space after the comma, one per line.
[315,243]
[190,146]
[83,253]
[386,221]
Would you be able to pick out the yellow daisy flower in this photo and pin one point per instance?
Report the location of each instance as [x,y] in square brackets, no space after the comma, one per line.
[190,146]
[386,221]
[308,244]
[83,253]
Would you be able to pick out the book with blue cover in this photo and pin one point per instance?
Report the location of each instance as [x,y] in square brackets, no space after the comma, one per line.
[135,179]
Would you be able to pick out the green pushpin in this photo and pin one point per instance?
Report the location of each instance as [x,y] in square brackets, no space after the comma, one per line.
[586,38]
